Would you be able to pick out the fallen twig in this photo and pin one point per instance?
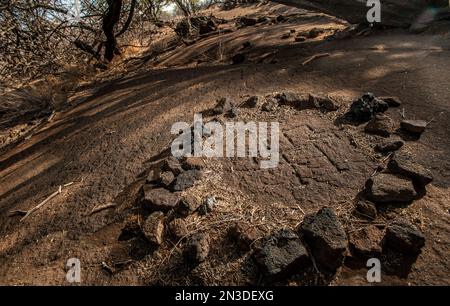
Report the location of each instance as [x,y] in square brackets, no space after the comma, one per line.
[314,57]
[29,212]
[102,207]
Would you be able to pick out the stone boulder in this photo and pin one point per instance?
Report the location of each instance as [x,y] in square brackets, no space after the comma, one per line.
[326,238]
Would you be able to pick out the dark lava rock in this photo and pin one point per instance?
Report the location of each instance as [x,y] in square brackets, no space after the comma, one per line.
[385,188]
[314,32]
[244,235]
[404,237]
[223,106]
[197,248]
[403,164]
[193,163]
[380,125]
[159,199]
[187,205]
[363,109]
[286,35]
[131,228]
[186,180]
[269,105]
[208,205]
[391,101]
[178,229]
[246,21]
[323,102]
[246,45]
[153,227]
[300,38]
[389,145]
[280,18]
[166,178]
[326,238]
[292,98]
[196,25]
[366,209]
[234,112]
[282,255]
[172,164]
[153,175]
[263,19]
[366,241]
[252,102]
[238,58]
[414,126]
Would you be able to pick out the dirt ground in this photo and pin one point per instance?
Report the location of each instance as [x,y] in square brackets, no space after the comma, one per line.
[116,127]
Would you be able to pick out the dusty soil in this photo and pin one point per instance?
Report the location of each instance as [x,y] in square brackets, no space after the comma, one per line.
[117,126]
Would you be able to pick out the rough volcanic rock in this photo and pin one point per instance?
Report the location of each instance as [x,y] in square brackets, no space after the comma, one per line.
[326,238]
[159,199]
[300,38]
[404,237]
[366,107]
[193,163]
[166,178]
[223,106]
[392,101]
[197,248]
[196,25]
[294,99]
[188,204]
[252,102]
[380,125]
[269,105]
[186,180]
[385,188]
[178,229]
[244,235]
[414,126]
[153,227]
[314,33]
[282,255]
[323,102]
[389,145]
[366,241]
[366,209]
[172,164]
[403,163]
[208,205]
[286,35]
[246,21]
[238,58]
[131,228]
[153,175]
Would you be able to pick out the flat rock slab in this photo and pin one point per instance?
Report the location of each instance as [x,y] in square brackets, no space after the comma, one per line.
[414,126]
[404,164]
[389,188]
[282,255]
[326,238]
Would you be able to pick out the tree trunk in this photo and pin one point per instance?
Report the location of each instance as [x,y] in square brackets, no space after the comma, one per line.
[109,21]
[397,13]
